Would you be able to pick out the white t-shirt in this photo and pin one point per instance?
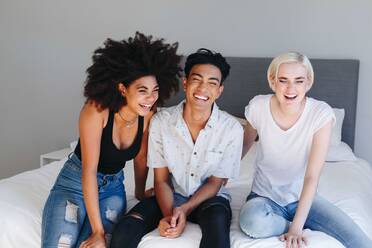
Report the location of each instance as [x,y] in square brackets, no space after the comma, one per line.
[216,151]
[282,156]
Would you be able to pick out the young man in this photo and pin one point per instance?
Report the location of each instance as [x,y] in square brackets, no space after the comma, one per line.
[194,149]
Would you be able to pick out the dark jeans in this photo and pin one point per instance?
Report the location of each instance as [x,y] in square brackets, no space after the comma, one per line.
[212,215]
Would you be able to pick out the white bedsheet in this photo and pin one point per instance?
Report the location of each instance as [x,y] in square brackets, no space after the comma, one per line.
[346,184]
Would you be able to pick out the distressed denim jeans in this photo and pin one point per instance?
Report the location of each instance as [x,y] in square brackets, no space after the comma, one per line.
[65,221]
[260,217]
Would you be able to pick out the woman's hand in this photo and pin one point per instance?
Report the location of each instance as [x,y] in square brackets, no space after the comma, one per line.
[95,240]
[294,239]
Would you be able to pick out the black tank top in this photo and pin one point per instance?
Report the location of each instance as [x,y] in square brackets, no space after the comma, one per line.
[111,159]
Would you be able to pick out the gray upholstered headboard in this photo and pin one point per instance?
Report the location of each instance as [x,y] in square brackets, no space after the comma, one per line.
[336,82]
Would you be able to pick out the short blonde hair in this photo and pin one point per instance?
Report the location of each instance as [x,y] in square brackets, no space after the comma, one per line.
[289,57]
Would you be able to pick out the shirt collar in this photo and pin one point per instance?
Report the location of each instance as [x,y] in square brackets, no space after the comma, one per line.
[177,119]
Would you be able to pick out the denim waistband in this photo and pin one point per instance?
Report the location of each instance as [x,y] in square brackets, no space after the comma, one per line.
[110,177]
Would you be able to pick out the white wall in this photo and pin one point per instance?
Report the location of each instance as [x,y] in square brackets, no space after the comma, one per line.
[45,47]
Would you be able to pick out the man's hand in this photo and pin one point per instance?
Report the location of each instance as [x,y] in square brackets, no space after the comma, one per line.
[173,226]
[164,225]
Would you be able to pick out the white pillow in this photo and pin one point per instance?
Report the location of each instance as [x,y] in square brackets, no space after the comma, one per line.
[340,152]
[337,128]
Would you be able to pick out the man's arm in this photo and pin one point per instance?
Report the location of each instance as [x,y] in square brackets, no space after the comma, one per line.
[155,160]
[164,197]
[178,218]
[163,191]
[206,191]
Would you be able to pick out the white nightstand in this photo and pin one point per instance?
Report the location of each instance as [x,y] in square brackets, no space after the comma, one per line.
[54,156]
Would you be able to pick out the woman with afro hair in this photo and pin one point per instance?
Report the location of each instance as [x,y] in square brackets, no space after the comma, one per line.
[125,83]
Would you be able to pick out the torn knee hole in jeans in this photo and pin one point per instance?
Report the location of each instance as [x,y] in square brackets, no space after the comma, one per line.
[111,215]
[65,241]
[71,212]
[136,216]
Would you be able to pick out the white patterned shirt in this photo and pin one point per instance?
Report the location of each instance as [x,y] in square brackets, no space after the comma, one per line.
[216,152]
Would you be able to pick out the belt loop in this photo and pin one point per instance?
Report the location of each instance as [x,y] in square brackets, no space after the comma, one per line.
[70,155]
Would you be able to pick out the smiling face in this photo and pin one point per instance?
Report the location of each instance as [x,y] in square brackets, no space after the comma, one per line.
[141,94]
[291,84]
[203,86]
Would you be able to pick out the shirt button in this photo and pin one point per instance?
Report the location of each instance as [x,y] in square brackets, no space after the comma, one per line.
[194,153]
[192,174]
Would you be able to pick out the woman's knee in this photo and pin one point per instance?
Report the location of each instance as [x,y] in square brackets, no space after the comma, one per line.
[258,220]
[112,208]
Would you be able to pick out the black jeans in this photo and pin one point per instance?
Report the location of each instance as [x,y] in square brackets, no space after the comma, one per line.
[212,215]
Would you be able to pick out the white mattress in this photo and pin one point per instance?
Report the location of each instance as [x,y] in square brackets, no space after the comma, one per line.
[347,184]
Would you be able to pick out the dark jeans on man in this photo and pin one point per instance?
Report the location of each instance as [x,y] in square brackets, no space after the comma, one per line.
[212,215]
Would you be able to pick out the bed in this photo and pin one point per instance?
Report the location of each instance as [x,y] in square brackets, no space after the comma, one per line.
[346,180]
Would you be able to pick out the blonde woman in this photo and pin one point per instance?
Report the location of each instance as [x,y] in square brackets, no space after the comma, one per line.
[294,134]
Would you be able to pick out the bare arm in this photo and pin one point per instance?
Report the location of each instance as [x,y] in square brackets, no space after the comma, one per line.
[317,157]
[173,226]
[163,191]
[140,163]
[250,135]
[208,190]
[90,127]
[140,169]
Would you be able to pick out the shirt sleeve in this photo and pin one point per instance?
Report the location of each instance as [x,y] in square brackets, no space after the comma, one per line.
[229,165]
[155,151]
[323,115]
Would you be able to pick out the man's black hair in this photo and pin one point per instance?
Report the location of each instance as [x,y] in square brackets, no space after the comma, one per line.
[206,56]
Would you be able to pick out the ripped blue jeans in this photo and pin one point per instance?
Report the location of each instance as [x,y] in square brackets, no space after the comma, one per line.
[65,221]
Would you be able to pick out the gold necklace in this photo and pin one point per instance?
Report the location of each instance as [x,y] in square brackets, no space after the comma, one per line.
[127,123]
